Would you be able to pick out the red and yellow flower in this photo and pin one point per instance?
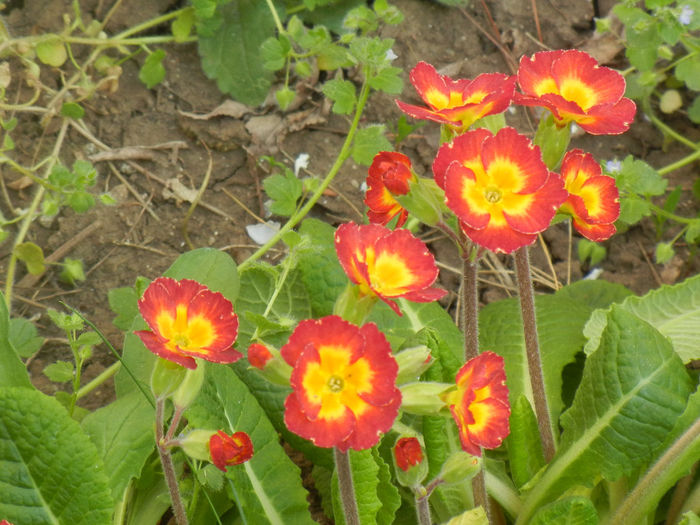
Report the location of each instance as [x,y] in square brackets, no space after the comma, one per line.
[479,405]
[458,103]
[258,355]
[594,200]
[343,380]
[389,175]
[188,321]
[499,187]
[230,450]
[575,88]
[387,264]
[408,453]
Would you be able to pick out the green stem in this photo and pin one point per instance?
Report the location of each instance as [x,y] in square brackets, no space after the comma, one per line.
[423,510]
[168,467]
[29,217]
[301,213]
[345,486]
[667,129]
[275,16]
[149,23]
[680,163]
[668,215]
[532,351]
[99,380]
[138,41]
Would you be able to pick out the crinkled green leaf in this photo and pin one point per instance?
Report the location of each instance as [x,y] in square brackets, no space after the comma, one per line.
[230,45]
[688,70]
[638,177]
[365,478]
[387,493]
[284,190]
[123,434]
[560,322]
[634,388]
[523,443]
[575,510]
[342,93]
[267,488]
[594,293]
[32,255]
[152,72]
[59,371]
[672,310]
[12,369]
[475,516]
[51,472]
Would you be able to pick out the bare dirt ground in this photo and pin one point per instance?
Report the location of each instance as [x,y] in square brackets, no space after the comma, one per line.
[142,234]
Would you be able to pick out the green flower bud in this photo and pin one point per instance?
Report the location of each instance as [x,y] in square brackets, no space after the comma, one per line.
[412,363]
[166,378]
[190,386]
[459,467]
[423,398]
[196,444]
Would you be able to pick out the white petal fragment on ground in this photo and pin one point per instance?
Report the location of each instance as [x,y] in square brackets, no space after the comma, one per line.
[301,162]
[262,232]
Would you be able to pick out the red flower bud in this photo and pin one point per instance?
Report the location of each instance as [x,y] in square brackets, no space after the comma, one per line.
[258,355]
[228,450]
[408,453]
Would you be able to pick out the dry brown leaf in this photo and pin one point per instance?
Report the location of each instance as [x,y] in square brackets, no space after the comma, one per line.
[229,108]
[20,184]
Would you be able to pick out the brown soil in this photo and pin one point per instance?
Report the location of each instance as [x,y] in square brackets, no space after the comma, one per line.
[121,242]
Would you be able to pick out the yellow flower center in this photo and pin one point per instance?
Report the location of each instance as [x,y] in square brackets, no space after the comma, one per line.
[184,332]
[335,384]
[576,91]
[493,195]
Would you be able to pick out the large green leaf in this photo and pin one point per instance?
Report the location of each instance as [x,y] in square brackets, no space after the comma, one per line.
[523,442]
[560,321]
[229,46]
[365,478]
[672,310]
[268,488]
[12,370]
[123,434]
[633,389]
[51,472]
[594,293]
[575,510]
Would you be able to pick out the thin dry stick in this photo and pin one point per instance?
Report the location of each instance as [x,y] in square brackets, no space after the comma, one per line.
[548,256]
[506,54]
[532,351]
[195,201]
[656,275]
[245,208]
[537,20]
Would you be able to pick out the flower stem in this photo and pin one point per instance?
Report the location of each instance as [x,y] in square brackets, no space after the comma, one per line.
[481,498]
[301,213]
[532,350]
[470,308]
[423,510]
[168,468]
[345,485]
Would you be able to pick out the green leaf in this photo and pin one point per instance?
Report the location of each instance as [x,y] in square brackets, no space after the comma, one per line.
[575,510]
[664,252]
[59,371]
[182,25]
[274,52]
[267,488]
[51,471]
[368,142]
[688,71]
[123,302]
[51,51]
[72,271]
[634,388]
[478,515]
[284,190]
[387,493]
[285,96]
[72,110]
[230,44]
[594,293]
[12,369]
[560,323]
[672,310]
[123,434]
[22,336]
[388,80]
[633,209]
[637,177]
[689,518]
[342,93]
[321,272]
[32,255]
[523,442]
[152,72]
[694,110]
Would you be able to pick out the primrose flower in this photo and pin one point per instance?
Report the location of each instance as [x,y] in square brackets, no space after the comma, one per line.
[458,103]
[230,450]
[408,453]
[389,175]
[387,264]
[258,355]
[594,201]
[343,380]
[499,187]
[575,88]
[187,321]
[479,405]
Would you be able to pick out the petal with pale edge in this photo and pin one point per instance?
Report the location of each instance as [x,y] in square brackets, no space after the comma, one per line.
[480,405]
[464,149]
[188,320]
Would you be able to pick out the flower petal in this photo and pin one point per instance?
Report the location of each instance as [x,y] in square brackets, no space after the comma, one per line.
[157,345]
[321,432]
[465,149]
[328,331]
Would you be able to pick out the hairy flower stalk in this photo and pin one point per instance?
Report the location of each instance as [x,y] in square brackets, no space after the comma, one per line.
[532,351]
[168,467]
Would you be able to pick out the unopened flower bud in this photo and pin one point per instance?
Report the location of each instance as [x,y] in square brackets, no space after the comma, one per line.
[230,450]
[408,458]
[270,363]
[190,386]
[460,466]
[258,355]
[424,200]
[412,363]
[423,398]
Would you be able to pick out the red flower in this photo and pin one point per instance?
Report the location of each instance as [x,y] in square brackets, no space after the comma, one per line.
[499,187]
[228,450]
[188,320]
[575,88]
[387,263]
[389,175]
[5,522]
[408,453]
[344,383]
[480,405]
[594,201]
[258,355]
[458,103]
